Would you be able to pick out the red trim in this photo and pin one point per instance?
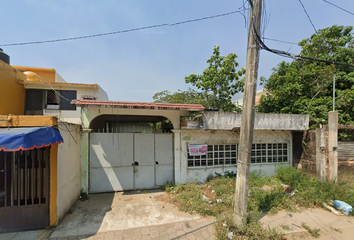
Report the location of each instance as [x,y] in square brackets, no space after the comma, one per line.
[26,149]
[137,104]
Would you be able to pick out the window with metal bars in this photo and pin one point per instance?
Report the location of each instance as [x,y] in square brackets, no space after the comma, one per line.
[269,153]
[24,177]
[226,155]
[217,155]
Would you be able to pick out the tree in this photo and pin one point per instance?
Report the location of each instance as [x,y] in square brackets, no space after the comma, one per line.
[190,96]
[220,81]
[305,86]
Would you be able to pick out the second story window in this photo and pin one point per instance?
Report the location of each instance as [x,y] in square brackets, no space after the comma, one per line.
[37,100]
[53,99]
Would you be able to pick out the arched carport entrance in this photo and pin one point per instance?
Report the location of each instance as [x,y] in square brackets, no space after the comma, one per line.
[130,152]
[130,145]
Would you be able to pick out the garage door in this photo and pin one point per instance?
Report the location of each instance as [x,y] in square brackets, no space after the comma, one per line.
[124,161]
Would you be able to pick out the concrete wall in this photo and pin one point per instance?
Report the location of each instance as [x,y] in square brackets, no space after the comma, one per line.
[213,137]
[68,169]
[102,95]
[229,120]
[58,78]
[12,93]
[90,113]
[69,115]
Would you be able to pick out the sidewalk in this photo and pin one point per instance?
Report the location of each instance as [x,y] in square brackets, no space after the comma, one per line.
[26,235]
[202,229]
[332,227]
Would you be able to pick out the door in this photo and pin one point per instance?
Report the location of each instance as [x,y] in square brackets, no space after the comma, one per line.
[24,190]
[111,158]
[164,158]
[144,156]
[124,161]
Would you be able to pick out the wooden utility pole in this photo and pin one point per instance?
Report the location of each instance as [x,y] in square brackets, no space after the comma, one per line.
[247,119]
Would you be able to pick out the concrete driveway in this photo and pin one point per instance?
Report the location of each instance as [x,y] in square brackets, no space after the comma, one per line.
[112,212]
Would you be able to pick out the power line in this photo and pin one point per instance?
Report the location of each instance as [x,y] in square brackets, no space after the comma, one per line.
[308,16]
[262,45]
[276,40]
[125,31]
[338,7]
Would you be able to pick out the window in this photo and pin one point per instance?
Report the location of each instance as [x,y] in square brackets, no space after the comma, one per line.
[60,100]
[53,99]
[34,100]
[217,155]
[65,100]
[226,155]
[269,153]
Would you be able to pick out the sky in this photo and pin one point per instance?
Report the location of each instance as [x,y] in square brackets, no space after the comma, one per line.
[133,66]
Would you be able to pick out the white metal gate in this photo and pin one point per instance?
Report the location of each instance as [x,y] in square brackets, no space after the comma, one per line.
[123,161]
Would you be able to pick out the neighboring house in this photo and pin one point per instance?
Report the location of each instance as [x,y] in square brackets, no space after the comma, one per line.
[48,94]
[117,153]
[118,157]
[272,144]
[28,172]
[257,100]
[62,182]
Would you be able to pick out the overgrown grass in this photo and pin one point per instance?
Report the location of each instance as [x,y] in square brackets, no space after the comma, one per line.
[215,198]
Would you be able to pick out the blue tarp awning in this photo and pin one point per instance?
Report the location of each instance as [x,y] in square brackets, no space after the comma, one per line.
[15,139]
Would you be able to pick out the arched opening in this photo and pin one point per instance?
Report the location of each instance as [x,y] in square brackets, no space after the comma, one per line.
[131,124]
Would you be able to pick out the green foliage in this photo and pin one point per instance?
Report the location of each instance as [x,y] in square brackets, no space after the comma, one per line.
[190,96]
[305,87]
[168,186]
[217,84]
[312,192]
[220,81]
[265,195]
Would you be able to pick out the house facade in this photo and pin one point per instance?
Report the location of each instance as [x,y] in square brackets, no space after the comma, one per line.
[31,100]
[117,154]
[48,94]
[129,145]
[272,144]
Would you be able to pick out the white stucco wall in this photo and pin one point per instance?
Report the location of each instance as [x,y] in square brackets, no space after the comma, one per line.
[70,115]
[102,95]
[214,137]
[58,78]
[68,169]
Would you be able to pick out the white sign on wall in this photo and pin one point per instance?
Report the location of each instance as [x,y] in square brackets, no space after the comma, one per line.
[197,150]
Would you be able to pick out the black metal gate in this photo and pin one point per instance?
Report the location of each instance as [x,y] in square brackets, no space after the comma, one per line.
[24,189]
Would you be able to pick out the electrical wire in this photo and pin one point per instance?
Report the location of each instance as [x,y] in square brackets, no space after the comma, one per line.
[308,16]
[282,41]
[338,7]
[262,45]
[125,31]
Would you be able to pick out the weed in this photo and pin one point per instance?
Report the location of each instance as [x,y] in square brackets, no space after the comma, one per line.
[336,229]
[265,195]
[253,230]
[285,227]
[209,177]
[168,186]
[51,228]
[314,232]
[83,196]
